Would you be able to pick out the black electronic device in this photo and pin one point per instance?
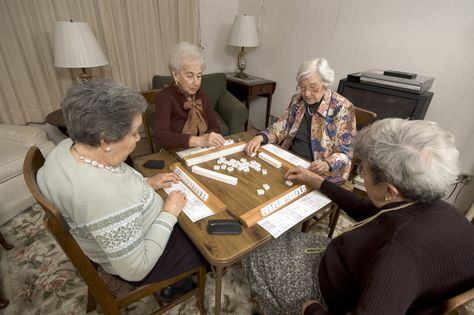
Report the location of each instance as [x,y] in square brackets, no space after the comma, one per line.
[385,101]
[403,81]
[156,164]
[224,226]
[338,180]
[400,74]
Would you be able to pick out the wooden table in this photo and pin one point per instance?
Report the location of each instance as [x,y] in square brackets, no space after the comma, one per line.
[247,89]
[219,250]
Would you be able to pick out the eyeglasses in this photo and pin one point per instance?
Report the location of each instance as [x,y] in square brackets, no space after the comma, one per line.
[312,88]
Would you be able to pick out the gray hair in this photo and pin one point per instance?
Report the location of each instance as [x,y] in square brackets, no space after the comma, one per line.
[100,110]
[184,51]
[318,66]
[416,156]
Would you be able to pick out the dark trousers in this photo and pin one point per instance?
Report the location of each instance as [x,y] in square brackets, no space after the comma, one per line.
[179,256]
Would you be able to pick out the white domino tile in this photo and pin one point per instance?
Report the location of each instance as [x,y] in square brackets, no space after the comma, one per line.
[285,199]
[270,160]
[188,181]
[214,175]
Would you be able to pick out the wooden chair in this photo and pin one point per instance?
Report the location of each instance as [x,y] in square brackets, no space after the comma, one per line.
[148,116]
[97,288]
[455,305]
[363,117]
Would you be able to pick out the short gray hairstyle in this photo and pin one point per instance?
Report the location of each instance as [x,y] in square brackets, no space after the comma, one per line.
[184,51]
[318,66]
[416,156]
[100,110]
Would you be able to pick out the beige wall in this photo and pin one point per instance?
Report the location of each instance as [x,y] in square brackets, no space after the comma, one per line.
[433,38]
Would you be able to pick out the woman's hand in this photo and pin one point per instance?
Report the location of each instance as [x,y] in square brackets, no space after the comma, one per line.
[175,202]
[319,167]
[303,175]
[208,140]
[252,146]
[212,140]
[165,180]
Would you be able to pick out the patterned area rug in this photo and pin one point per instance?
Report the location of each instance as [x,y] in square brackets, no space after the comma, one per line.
[38,278]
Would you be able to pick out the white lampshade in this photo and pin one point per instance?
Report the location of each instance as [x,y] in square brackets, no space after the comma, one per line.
[75,46]
[243,32]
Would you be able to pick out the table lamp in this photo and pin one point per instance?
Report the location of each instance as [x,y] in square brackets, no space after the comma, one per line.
[243,33]
[75,46]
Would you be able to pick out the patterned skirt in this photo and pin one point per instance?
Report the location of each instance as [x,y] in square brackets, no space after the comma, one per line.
[284,273]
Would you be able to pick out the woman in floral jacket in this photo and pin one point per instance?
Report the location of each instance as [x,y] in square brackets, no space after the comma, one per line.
[318,125]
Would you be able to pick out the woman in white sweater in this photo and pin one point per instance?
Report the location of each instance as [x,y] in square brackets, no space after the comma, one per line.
[114,213]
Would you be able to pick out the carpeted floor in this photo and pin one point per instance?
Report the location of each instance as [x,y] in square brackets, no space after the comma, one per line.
[38,278]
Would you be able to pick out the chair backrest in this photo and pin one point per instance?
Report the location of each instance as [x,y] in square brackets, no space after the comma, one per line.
[363,117]
[214,84]
[58,227]
[97,288]
[448,307]
[148,116]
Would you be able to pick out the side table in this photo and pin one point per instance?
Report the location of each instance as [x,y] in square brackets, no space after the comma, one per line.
[56,118]
[246,89]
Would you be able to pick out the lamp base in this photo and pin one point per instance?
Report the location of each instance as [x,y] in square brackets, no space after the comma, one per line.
[241,75]
[84,76]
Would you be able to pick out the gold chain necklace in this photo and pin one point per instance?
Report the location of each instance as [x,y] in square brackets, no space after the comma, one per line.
[359,224]
[363,222]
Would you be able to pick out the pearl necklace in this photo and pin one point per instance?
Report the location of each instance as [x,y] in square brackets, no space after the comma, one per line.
[117,169]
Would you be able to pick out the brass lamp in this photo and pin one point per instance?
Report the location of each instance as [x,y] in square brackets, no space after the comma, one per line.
[75,46]
[243,33]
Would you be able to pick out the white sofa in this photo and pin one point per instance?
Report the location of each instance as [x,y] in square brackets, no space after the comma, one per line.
[14,143]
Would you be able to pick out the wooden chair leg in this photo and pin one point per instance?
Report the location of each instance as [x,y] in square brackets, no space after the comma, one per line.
[4,242]
[91,302]
[333,221]
[306,225]
[201,280]
[3,302]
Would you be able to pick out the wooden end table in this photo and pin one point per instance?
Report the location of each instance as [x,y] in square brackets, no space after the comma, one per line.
[56,118]
[247,89]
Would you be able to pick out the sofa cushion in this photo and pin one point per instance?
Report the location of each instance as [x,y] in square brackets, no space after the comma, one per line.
[14,143]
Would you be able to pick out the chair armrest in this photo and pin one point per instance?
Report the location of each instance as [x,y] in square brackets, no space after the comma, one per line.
[25,134]
[233,112]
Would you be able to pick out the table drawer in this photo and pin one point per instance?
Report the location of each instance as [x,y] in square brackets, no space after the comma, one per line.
[261,89]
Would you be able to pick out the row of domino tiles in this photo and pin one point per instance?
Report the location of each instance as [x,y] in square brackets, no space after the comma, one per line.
[283,200]
[191,151]
[214,175]
[270,160]
[215,155]
[191,183]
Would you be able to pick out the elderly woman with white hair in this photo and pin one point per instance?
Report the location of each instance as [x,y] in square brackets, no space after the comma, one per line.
[184,115]
[408,251]
[318,125]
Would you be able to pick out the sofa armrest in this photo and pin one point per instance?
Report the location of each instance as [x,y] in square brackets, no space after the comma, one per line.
[233,112]
[25,134]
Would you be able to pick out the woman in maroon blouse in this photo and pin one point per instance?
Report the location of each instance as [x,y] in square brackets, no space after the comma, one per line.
[184,116]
